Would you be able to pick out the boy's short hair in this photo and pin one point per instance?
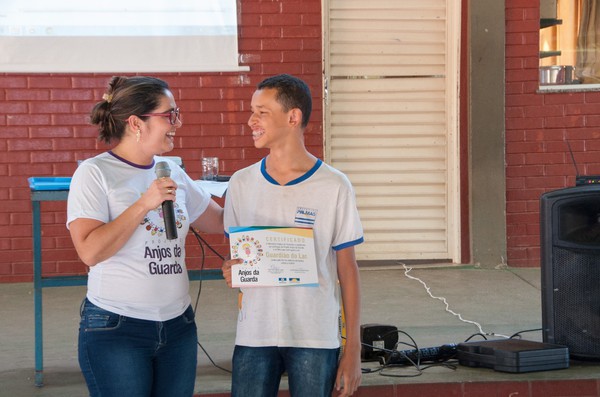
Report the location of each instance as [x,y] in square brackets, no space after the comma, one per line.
[292,93]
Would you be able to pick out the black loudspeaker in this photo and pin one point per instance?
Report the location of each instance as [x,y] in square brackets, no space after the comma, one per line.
[570,269]
[376,340]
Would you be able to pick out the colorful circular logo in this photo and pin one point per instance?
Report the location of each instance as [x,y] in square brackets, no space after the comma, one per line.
[247,248]
[154,221]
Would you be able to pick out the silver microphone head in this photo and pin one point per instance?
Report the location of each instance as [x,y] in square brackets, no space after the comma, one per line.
[162,169]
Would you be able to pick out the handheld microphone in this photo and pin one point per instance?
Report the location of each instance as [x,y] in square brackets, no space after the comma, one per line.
[162,170]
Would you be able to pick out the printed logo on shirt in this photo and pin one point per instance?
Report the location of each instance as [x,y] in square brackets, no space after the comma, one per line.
[163,260]
[154,221]
[305,216]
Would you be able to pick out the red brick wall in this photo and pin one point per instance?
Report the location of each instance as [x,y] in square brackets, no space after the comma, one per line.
[44,128]
[537,127]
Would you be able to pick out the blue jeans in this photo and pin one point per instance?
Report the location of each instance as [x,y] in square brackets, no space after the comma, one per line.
[123,356]
[257,371]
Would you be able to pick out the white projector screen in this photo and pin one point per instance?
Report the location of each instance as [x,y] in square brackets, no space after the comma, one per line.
[80,36]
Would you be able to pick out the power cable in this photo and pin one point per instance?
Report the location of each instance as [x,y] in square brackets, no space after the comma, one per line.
[428,290]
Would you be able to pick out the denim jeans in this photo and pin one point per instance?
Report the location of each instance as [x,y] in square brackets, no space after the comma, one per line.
[123,356]
[257,371]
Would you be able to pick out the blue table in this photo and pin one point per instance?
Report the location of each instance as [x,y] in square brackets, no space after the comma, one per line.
[57,189]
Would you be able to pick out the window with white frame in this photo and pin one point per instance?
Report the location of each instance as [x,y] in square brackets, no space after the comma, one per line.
[569,42]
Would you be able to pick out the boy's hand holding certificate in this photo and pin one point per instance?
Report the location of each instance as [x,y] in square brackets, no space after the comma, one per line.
[273,256]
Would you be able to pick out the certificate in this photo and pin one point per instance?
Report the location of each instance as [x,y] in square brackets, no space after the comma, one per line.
[273,256]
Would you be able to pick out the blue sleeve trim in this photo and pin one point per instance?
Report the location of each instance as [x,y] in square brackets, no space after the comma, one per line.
[349,244]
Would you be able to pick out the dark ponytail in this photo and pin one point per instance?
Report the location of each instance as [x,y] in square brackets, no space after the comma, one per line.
[125,96]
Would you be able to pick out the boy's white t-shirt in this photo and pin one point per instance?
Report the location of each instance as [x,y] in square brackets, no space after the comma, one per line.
[323,199]
[147,278]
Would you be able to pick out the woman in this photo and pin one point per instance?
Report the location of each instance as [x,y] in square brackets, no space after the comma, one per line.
[137,333]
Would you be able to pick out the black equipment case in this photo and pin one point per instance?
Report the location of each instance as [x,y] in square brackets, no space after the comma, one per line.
[513,355]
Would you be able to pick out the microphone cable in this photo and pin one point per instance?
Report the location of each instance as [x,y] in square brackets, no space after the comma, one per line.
[202,243]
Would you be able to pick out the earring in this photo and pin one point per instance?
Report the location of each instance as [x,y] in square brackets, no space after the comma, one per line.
[137,135]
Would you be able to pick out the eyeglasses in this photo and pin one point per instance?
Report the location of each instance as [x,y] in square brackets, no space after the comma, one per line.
[173,115]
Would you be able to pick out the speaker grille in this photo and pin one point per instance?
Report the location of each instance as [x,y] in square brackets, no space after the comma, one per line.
[576,301]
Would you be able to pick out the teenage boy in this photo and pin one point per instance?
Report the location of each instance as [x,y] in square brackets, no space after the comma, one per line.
[295,329]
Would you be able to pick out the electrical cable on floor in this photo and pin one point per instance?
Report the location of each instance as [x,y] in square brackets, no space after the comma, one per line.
[428,290]
[477,334]
[416,366]
[383,365]
[522,332]
[391,368]
[393,359]
[202,243]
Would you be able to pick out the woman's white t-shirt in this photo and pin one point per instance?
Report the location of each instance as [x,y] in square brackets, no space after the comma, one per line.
[147,278]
